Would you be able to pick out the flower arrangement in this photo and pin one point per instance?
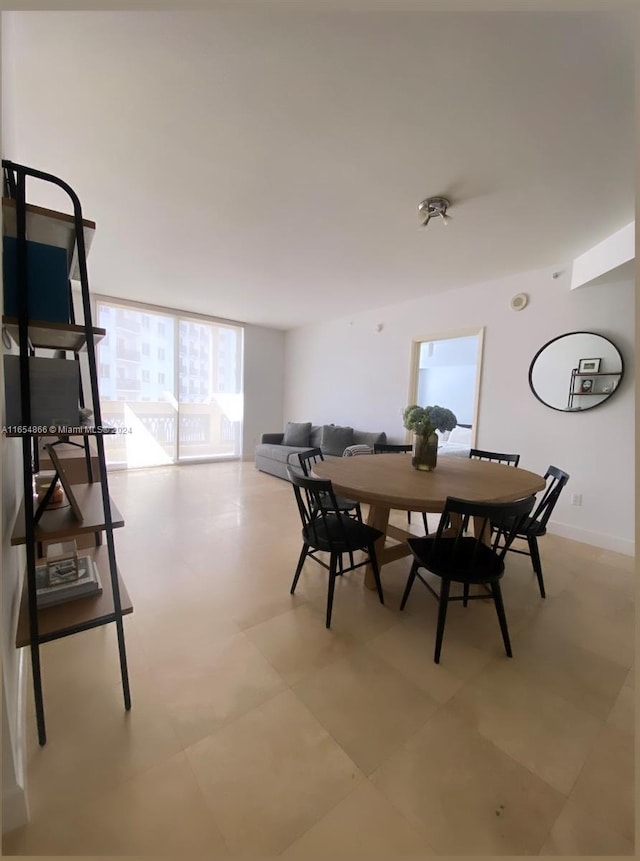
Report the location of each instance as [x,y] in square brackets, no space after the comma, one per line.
[427,420]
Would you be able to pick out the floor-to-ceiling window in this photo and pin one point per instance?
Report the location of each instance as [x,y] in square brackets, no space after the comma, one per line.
[170,383]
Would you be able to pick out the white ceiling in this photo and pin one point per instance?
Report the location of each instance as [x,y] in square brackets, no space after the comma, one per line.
[266,166]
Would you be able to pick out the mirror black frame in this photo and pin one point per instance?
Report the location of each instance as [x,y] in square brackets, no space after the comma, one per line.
[566,335]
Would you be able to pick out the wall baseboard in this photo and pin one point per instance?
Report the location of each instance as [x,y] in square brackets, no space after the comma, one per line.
[15,811]
[596,539]
[15,805]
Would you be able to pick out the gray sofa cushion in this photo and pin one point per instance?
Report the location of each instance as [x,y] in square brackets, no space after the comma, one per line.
[272,438]
[281,453]
[370,439]
[315,437]
[297,433]
[335,439]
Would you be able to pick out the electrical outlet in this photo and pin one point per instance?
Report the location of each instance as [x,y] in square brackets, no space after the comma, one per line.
[576,499]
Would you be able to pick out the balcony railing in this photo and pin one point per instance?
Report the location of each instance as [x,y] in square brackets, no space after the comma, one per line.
[124,385]
[127,355]
[126,321]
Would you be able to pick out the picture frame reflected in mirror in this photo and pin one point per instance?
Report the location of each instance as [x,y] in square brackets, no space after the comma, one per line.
[589,366]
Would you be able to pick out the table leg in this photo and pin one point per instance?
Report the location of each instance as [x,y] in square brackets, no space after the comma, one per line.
[378,517]
[478,524]
[454,527]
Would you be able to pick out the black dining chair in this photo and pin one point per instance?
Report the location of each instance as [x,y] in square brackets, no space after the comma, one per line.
[458,558]
[313,455]
[496,456]
[392,448]
[535,527]
[327,529]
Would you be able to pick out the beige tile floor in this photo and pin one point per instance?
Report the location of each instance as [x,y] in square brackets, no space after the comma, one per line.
[256,731]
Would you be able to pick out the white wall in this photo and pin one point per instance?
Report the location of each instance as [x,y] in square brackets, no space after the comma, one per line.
[610,254]
[14,801]
[263,385]
[347,372]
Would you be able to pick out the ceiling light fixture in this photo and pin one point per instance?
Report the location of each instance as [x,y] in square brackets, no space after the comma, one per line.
[432,207]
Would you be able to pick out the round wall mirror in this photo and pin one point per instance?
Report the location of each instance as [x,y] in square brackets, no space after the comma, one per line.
[576,371]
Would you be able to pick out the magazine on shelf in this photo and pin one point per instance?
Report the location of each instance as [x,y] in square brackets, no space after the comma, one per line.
[88,583]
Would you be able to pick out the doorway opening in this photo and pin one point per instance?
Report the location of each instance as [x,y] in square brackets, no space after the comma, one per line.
[446,370]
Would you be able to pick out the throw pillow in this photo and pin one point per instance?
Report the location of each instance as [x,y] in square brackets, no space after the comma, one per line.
[297,433]
[352,450]
[335,439]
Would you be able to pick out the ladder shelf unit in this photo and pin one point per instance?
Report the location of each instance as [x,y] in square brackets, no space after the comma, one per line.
[24,223]
[613,378]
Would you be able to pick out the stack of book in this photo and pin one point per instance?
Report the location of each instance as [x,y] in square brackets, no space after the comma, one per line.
[56,587]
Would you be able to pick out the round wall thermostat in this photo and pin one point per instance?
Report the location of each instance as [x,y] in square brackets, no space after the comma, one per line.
[519,301]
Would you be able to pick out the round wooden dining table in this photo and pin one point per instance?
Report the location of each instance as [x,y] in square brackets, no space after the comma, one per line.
[387,481]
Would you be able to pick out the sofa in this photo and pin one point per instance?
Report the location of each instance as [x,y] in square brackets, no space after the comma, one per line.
[275,450]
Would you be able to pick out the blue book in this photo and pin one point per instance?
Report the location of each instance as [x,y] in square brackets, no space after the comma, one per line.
[47,280]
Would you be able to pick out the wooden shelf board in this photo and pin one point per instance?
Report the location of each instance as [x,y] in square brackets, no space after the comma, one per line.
[51,228]
[54,336]
[82,613]
[61,523]
[54,214]
[65,451]
[599,374]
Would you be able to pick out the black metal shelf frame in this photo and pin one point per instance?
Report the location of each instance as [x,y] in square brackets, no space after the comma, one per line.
[15,180]
[575,373]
